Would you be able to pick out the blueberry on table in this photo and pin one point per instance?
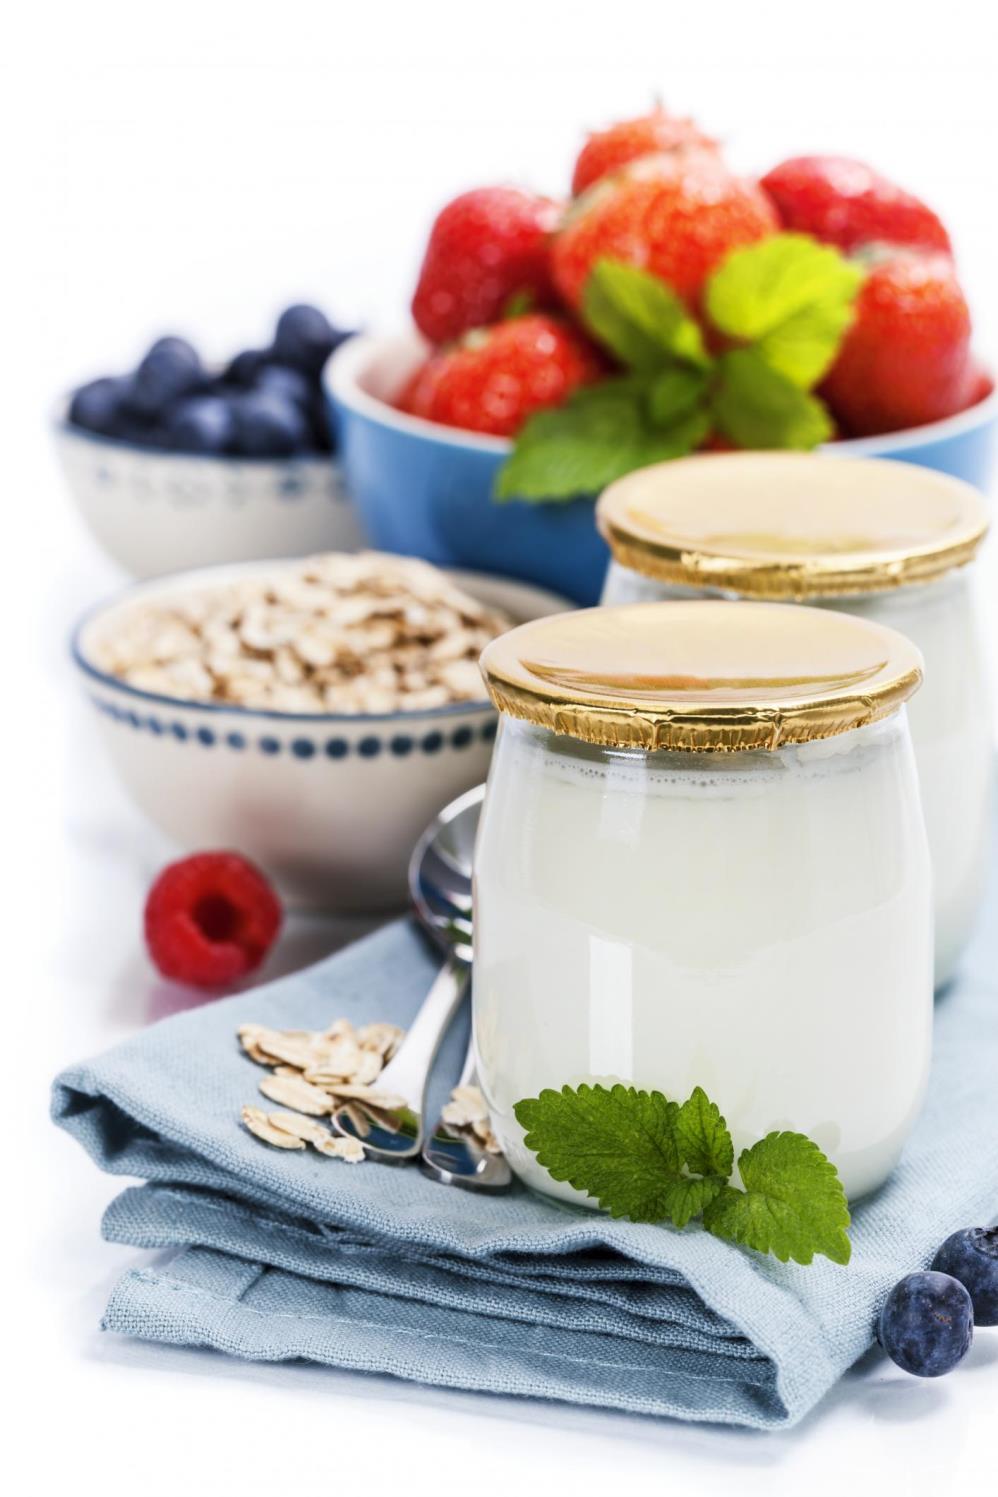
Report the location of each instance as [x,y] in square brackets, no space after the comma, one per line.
[972,1257]
[267,425]
[97,406]
[305,338]
[169,370]
[201,423]
[927,1323]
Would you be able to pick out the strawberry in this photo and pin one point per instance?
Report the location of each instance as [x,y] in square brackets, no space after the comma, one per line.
[977,385]
[416,395]
[496,377]
[676,216]
[906,359]
[651,135]
[485,247]
[847,203]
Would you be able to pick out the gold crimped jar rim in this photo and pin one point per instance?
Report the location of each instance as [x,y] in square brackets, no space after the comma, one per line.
[791,525]
[701,676]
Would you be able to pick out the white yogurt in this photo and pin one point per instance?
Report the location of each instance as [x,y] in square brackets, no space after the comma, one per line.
[951,716]
[754,923]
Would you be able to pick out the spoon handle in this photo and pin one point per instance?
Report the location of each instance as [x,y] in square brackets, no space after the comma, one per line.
[405,1076]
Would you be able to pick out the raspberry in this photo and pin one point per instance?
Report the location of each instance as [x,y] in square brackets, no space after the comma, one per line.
[210,919]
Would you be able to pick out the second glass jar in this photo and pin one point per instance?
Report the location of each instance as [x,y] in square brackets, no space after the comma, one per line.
[882,540]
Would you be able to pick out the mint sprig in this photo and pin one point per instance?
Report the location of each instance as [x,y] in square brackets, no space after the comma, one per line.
[640,319]
[778,311]
[599,434]
[791,298]
[646,1158]
[757,406]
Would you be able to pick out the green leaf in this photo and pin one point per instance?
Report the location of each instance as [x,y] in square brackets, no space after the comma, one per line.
[618,1145]
[758,407]
[703,1136]
[686,1197]
[789,296]
[640,319]
[674,393]
[599,434]
[793,1204]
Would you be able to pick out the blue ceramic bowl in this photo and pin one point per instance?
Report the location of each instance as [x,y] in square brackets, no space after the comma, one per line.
[426,490]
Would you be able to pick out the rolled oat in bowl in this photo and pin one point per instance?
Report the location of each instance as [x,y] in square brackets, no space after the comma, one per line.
[338,633]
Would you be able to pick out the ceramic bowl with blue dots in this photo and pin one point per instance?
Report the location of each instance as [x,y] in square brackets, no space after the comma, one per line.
[329,805]
[156,512]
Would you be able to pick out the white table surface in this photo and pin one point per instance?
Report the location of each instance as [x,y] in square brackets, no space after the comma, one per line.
[156,1413]
[195,170]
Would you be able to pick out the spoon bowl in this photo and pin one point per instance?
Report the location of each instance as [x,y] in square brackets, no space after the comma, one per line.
[440,886]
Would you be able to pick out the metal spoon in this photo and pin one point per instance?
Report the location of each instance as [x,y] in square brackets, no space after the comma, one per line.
[394,1132]
[440,885]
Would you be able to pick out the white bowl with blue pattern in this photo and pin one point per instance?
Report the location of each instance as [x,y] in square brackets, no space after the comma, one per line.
[329,805]
[156,512]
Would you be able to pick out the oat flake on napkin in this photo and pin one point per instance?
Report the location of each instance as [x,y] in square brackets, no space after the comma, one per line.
[376,1268]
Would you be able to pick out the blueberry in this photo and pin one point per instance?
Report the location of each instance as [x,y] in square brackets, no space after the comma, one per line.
[246,366]
[322,431]
[972,1257]
[306,394]
[169,370]
[305,338]
[202,423]
[268,425]
[286,383]
[927,1323]
[98,406]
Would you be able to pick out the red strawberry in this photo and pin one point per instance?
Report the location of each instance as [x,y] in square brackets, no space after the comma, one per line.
[485,247]
[676,216]
[498,376]
[416,395]
[652,135]
[844,202]
[905,360]
[977,386]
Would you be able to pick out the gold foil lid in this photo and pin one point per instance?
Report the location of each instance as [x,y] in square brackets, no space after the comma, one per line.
[791,525]
[701,675]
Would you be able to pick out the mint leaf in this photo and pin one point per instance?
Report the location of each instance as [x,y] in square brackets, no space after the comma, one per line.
[687,1197]
[756,406]
[789,296]
[616,1144]
[703,1136]
[602,432]
[793,1204]
[640,319]
[675,392]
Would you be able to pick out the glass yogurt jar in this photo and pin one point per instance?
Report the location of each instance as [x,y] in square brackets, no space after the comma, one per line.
[886,541]
[702,861]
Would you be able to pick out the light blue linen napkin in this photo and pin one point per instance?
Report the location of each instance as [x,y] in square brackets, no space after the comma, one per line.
[291,1255]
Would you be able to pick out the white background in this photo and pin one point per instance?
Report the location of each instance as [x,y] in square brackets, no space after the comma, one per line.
[192,167]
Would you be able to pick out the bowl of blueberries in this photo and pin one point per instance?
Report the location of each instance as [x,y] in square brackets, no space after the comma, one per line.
[176,465]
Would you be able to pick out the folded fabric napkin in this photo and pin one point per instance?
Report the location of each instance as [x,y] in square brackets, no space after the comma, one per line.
[286,1255]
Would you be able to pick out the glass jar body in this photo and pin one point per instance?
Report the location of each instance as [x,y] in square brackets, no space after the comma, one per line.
[951,728]
[758,924]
